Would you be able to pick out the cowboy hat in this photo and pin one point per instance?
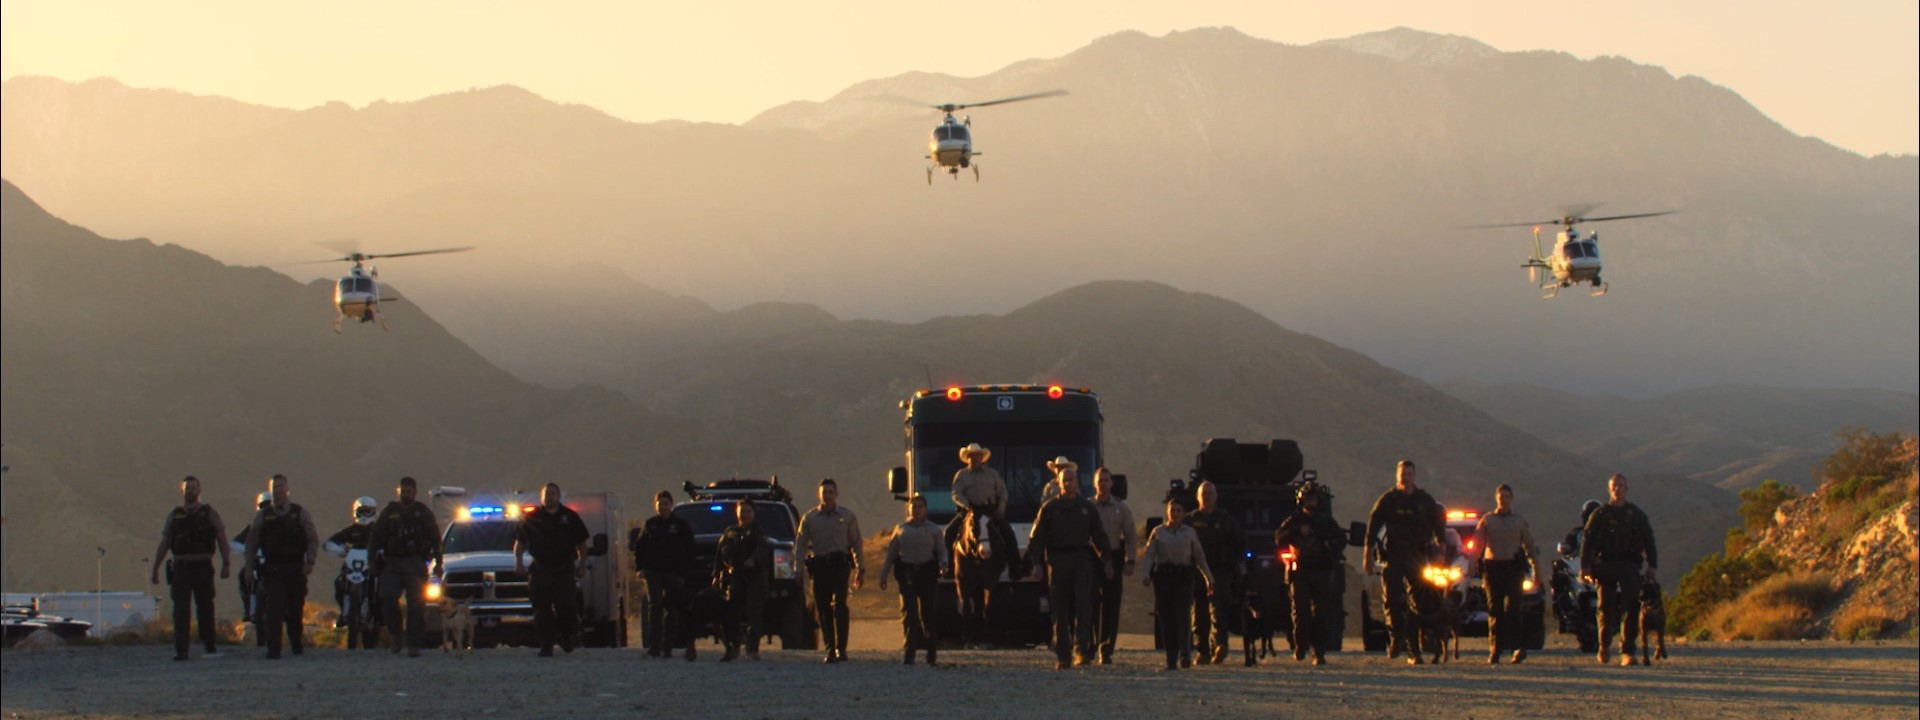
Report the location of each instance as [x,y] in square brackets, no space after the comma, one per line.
[973,449]
[1061,463]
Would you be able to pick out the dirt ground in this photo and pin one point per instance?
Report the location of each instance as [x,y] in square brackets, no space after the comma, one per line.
[1734,680]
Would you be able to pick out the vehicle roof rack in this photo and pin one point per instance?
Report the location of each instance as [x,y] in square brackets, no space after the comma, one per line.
[739,489]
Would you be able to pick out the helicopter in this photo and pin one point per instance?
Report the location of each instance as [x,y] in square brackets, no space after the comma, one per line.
[1574,259]
[951,145]
[358,293]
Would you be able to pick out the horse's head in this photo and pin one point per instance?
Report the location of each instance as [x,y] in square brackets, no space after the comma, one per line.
[976,540]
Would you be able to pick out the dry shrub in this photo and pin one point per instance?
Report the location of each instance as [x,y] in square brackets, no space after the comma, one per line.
[1864,621]
[1783,607]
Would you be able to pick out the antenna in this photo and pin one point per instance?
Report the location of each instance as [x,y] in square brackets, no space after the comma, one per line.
[929,369]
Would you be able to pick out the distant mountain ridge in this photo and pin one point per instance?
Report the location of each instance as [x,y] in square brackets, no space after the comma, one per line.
[1315,184]
[124,365]
[1732,436]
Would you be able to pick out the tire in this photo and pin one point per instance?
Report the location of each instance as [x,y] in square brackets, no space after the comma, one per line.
[1373,633]
[797,632]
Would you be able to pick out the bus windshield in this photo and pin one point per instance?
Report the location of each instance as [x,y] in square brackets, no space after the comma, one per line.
[1020,452]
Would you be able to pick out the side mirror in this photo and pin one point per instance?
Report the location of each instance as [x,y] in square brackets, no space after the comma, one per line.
[897,481]
[1307,476]
[599,545]
[1357,534]
[1566,549]
[1120,486]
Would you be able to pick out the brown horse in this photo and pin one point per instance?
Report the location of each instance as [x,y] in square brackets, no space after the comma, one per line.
[984,551]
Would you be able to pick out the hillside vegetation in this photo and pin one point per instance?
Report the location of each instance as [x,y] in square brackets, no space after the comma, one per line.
[1839,562]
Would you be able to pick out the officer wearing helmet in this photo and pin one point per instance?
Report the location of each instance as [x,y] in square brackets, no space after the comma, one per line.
[248,576]
[1316,541]
[344,544]
[1570,545]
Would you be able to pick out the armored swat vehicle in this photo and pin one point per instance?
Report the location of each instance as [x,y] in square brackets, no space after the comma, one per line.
[1257,483]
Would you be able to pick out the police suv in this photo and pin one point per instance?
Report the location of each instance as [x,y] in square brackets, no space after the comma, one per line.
[710,510]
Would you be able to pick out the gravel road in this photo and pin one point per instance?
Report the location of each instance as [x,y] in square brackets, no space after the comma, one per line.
[1732,680]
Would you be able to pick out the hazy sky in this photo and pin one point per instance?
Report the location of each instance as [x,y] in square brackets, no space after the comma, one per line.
[1846,71]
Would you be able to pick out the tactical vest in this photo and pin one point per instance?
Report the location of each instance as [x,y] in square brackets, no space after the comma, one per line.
[407,533]
[283,538]
[192,531]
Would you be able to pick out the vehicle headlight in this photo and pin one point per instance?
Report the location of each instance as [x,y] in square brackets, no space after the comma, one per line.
[433,592]
[783,565]
[1526,585]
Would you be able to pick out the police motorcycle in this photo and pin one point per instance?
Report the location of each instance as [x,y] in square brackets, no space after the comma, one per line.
[1574,599]
[354,588]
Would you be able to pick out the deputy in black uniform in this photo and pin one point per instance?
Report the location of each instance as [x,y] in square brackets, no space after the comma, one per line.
[1411,522]
[405,538]
[661,549]
[192,532]
[914,556]
[1317,542]
[283,535]
[1618,539]
[1226,548]
[743,569]
[1068,537]
[556,537]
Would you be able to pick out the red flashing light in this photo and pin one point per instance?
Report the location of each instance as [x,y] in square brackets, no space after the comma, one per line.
[527,509]
[1469,543]
[953,393]
[1055,392]
[1286,555]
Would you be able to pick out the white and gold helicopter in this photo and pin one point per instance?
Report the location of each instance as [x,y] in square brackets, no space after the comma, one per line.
[1574,259]
[951,146]
[358,293]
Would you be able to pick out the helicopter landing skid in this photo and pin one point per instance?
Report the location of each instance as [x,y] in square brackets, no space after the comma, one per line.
[1599,289]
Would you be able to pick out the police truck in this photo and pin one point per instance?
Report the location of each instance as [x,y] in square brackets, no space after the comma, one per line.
[478,530]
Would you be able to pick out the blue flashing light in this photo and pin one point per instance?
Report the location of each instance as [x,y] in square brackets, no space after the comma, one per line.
[716,508]
[486,510]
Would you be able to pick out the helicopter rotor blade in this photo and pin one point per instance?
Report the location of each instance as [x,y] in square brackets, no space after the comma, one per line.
[1624,217]
[435,251]
[1577,211]
[1029,96]
[344,246]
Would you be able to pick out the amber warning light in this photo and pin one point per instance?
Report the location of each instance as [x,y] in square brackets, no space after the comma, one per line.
[953,393]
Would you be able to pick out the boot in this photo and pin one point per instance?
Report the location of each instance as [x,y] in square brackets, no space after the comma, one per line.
[909,655]
[930,655]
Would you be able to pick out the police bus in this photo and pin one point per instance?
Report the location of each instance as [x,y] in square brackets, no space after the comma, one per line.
[1024,427]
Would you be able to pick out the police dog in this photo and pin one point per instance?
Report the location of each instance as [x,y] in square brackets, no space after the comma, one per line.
[456,626]
[703,613]
[1436,617]
[1653,621]
[1256,632]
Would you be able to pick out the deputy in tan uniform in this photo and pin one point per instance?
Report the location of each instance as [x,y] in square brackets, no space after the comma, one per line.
[829,539]
[1172,555]
[1507,553]
[914,556]
[1117,520]
[976,487]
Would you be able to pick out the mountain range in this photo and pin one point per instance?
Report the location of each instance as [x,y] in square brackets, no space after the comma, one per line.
[126,364]
[1321,186]
[1732,436]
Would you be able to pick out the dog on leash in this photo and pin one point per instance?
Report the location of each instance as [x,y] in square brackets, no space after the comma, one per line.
[1653,622]
[456,626]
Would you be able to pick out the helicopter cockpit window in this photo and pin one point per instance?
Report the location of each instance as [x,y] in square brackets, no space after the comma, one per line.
[356,284]
[1574,251]
[1589,249]
[940,133]
[960,133]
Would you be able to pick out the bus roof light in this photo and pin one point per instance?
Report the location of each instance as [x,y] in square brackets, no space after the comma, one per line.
[1054,392]
[953,393]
